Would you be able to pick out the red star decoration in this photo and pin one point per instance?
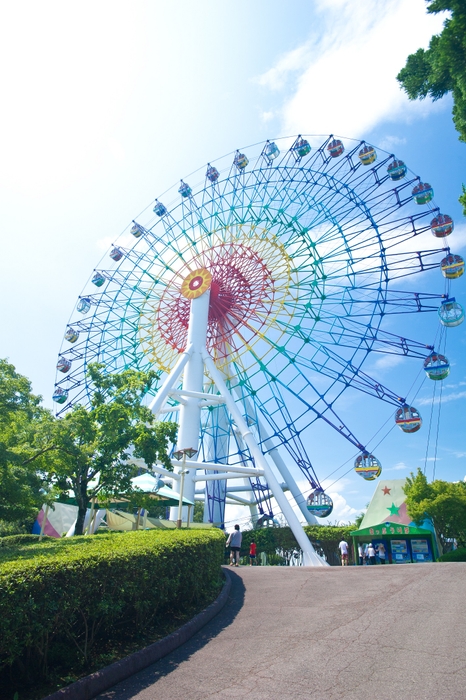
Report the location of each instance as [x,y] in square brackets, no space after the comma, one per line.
[386,490]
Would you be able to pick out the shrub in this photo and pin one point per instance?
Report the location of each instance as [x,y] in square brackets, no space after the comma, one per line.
[57,599]
[324,538]
[19,540]
[456,555]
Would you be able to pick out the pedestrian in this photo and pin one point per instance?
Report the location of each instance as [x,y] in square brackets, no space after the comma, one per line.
[361,554]
[343,547]
[252,553]
[382,553]
[371,553]
[234,542]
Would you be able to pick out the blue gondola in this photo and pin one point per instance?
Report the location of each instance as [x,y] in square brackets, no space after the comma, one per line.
[71,335]
[408,419]
[451,313]
[212,173]
[436,366]
[302,147]
[319,504]
[367,466]
[116,254]
[184,189]
[367,155]
[397,170]
[64,365]
[60,395]
[83,305]
[159,209]
[335,148]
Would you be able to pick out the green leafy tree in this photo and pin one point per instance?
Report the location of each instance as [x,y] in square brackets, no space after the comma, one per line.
[22,419]
[91,449]
[198,515]
[442,501]
[441,68]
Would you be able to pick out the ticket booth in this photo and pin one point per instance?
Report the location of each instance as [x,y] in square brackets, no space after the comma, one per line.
[403,544]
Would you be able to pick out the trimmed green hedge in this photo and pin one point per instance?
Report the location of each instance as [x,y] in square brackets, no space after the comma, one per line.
[57,599]
[325,539]
[455,555]
[16,540]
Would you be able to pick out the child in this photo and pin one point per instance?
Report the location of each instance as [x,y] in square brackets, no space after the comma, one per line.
[252,554]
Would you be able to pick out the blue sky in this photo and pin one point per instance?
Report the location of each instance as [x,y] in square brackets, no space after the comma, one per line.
[108,104]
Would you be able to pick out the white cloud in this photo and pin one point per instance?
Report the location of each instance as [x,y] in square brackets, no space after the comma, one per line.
[400,466]
[267,116]
[446,398]
[344,77]
[389,143]
[342,512]
[386,362]
[276,77]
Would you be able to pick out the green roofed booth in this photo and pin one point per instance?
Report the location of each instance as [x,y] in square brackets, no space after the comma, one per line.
[151,486]
[387,523]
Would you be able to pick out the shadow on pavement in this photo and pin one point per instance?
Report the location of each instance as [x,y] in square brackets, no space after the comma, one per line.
[131,686]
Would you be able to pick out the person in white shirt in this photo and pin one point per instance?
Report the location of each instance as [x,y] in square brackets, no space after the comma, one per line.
[343,547]
[361,554]
[234,542]
[371,553]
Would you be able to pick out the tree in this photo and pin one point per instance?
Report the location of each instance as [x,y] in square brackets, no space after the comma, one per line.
[442,501]
[198,515]
[442,68]
[22,478]
[89,449]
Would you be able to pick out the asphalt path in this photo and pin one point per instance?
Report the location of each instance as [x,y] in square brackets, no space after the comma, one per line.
[339,633]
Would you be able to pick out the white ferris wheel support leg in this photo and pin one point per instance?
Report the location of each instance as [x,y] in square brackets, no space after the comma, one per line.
[275,455]
[193,380]
[167,386]
[310,557]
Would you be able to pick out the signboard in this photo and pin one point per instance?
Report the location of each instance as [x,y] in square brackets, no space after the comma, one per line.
[389,529]
[400,551]
[421,551]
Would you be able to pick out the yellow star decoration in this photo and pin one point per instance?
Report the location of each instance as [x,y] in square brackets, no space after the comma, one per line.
[196,283]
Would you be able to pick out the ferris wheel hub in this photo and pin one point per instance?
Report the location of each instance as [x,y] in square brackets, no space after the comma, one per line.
[196,283]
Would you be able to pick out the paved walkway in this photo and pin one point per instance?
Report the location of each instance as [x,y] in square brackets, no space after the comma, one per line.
[356,633]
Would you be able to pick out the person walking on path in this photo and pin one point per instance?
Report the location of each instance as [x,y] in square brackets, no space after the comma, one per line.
[343,547]
[252,554]
[371,553]
[234,542]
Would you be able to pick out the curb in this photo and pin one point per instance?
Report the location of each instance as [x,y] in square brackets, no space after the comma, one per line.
[90,686]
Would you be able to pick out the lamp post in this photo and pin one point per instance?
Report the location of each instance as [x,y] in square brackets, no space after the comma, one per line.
[182,454]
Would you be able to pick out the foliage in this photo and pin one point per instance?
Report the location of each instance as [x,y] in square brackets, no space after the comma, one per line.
[442,68]
[17,527]
[272,540]
[198,516]
[90,447]
[21,420]
[455,555]
[443,502]
[20,540]
[329,533]
[358,520]
[59,599]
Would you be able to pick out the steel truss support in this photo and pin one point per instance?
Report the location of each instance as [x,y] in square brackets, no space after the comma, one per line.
[193,363]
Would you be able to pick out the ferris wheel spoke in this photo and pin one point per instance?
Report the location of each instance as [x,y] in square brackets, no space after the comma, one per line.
[347,332]
[285,433]
[321,408]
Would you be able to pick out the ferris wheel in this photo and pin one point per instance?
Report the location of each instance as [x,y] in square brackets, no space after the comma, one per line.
[299,250]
